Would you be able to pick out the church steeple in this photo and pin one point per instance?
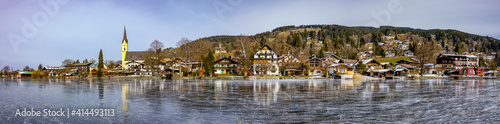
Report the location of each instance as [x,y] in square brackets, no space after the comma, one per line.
[124,35]
[124,46]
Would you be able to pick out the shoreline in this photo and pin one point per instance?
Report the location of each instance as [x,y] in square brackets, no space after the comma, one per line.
[265,77]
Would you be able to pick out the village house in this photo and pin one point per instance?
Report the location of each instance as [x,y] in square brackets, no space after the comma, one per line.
[289,63]
[408,68]
[409,62]
[329,60]
[408,53]
[193,66]
[24,74]
[176,65]
[348,62]
[53,70]
[342,70]
[372,64]
[225,66]
[386,65]
[78,68]
[265,61]
[389,54]
[314,63]
[403,46]
[456,61]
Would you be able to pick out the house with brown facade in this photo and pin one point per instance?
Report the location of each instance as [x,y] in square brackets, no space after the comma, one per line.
[226,66]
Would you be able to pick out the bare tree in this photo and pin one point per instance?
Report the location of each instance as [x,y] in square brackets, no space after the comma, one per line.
[111,64]
[186,47]
[92,61]
[27,68]
[67,61]
[154,55]
[5,70]
[244,46]
[425,53]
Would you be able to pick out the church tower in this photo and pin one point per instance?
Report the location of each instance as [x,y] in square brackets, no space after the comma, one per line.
[124,46]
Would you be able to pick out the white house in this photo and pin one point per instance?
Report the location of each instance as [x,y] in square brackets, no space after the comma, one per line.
[265,61]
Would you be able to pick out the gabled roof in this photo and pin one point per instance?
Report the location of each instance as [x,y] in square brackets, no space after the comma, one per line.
[229,59]
[290,56]
[369,60]
[385,63]
[313,57]
[135,55]
[404,60]
[265,46]
[348,61]
[407,66]
[340,64]
[332,56]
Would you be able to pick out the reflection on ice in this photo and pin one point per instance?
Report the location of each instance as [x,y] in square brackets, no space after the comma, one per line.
[263,101]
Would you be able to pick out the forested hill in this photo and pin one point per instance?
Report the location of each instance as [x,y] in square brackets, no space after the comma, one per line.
[334,31]
[348,41]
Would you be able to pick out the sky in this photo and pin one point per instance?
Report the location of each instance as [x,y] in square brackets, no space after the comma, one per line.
[46,32]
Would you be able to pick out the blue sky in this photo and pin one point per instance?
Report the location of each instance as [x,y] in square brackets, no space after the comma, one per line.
[78,29]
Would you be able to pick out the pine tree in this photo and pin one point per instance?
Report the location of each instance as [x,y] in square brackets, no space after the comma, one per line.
[362,41]
[321,53]
[310,50]
[77,61]
[209,63]
[360,67]
[100,65]
[262,41]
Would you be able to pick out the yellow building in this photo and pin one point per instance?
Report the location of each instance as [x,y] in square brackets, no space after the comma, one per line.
[124,47]
[341,69]
[130,59]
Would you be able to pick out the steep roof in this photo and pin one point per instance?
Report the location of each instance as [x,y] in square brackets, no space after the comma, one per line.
[265,46]
[124,35]
[348,61]
[385,63]
[407,66]
[332,56]
[406,61]
[369,60]
[135,55]
[289,56]
[313,57]
[230,60]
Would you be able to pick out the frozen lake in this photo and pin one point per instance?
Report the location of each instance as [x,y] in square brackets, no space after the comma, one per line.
[254,101]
